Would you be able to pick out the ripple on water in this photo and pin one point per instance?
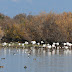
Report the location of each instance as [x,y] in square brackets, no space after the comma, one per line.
[42,60]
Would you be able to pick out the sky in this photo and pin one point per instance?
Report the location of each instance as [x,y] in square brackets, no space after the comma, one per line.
[13,7]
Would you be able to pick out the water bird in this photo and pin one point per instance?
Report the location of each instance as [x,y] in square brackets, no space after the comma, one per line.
[44,45]
[9,44]
[25,67]
[19,44]
[1,66]
[28,54]
[38,43]
[49,46]
[42,42]
[26,42]
[64,44]
[2,58]
[14,53]
[4,44]
[53,46]
[57,43]
[23,44]
[66,47]
[67,43]
[33,42]
[54,43]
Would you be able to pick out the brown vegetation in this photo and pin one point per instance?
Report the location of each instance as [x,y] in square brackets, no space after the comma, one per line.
[49,27]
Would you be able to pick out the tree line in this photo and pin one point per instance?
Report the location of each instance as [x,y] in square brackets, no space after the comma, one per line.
[49,27]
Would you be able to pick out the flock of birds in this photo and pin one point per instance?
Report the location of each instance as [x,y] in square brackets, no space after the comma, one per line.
[40,45]
[57,45]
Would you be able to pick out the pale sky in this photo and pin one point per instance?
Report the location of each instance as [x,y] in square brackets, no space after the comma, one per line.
[14,7]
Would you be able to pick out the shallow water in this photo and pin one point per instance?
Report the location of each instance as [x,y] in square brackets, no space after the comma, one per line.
[36,60]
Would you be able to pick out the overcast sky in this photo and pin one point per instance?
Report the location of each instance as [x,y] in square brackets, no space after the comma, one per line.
[14,7]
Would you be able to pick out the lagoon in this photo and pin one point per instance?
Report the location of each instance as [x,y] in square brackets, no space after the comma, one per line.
[35,60]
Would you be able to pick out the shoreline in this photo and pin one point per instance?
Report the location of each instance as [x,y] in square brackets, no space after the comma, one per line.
[45,46]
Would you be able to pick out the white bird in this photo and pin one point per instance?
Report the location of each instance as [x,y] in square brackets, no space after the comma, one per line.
[33,42]
[38,43]
[54,43]
[53,46]
[4,44]
[66,47]
[58,48]
[42,42]
[9,44]
[49,46]
[70,44]
[44,45]
[19,44]
[64,44]
[57,43]
[28,54]
[67,43]
[23,45]
[26,42]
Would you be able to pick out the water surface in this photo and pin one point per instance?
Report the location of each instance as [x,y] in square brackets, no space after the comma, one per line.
[36,60]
